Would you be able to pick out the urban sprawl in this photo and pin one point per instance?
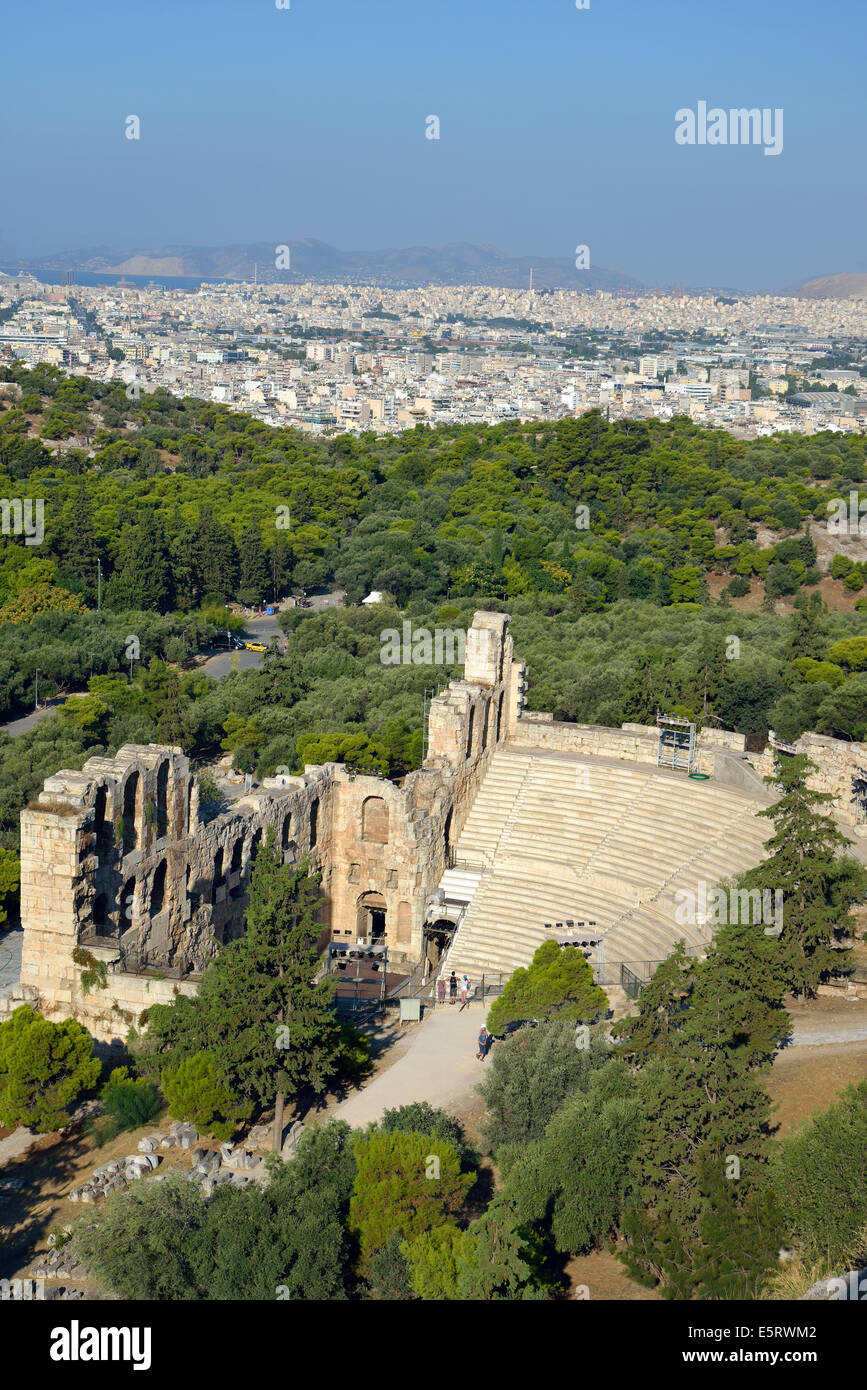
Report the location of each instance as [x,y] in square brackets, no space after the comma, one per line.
[332,359]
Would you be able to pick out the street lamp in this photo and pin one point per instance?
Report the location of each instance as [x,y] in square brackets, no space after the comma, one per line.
[36,696]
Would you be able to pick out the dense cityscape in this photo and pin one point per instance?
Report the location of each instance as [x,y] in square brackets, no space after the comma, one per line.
[326,359]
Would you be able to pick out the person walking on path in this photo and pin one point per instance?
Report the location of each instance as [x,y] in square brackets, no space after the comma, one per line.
[453,987]
[465,986]
[483,1045]
[441,990]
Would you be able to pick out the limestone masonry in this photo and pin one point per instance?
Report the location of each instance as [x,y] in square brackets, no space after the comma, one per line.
[117,866]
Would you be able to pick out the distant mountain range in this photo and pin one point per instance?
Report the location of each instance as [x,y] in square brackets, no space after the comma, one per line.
[459,263]
[835,287]
[456,264]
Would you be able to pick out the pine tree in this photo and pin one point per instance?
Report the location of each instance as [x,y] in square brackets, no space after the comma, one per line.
[270,1026]
[173,724]
[81,550]
[144,579]
[806,863]
[253,583]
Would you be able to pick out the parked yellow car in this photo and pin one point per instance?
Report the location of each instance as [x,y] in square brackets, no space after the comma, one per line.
[255,646]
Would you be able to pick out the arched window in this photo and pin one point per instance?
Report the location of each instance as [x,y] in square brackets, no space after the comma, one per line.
[374,820]
[470,730]
[485,725]
[128,906]
[314,822]
[286,833]
[237,855]
[217,881]
[254,846]
[158,888]
[499,715]
[162,799]
[131,812]
[100,907]
[99,815]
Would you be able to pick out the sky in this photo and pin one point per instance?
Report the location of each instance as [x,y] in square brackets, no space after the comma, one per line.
[556,128]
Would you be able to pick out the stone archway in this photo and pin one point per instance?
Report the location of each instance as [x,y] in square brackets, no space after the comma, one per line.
[370,917]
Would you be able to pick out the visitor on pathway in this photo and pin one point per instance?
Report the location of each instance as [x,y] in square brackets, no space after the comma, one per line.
[453,987]
[465,984]
[441,990]
[483,1045]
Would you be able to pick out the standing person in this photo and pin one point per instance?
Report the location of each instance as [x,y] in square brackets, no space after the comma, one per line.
[483,1045]
[465,985]
[441,990]
[453,987]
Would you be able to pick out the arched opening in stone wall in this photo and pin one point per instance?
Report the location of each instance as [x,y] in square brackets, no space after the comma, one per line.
[255,844]
[470,731]
[485,720]
[127,907]
[218,879]
[158,888]
[99,809]
[190,786]
[499,714]
[163,799]
[370,917]
[314,822]
[286,832]
[131,812]
[374,820]
[100,909]
[237,855]
[447,834]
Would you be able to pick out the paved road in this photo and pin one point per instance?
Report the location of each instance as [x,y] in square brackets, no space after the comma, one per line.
[438,1064]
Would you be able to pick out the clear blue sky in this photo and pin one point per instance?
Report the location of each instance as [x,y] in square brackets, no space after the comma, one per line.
[557,128]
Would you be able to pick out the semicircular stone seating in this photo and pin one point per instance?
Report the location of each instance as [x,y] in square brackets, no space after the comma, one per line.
[559,836]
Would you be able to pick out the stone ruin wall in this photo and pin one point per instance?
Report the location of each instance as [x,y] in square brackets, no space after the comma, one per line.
[115,860]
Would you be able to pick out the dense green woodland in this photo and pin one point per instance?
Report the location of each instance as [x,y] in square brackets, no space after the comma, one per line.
[188,505]
[181,501]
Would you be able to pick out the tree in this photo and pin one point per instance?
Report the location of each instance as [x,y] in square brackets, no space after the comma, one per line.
[173,724]
[558,981]
[409,1183]
[144,578]
[819,884]
[531,1074]
[421,1118]
[270,1027]
[500,1259]
[130,1102]
[572,1180]
[10,879]
[196,1092]
[140,1245]
[253,581]
[820,1179]
[44,1068]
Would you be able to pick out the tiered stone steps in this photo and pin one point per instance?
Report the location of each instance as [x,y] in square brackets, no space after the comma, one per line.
[594,839]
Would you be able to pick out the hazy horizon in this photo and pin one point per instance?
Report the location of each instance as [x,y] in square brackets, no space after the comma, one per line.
[557,128]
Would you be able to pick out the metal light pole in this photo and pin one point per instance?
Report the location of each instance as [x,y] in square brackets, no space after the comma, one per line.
[36,697]
[91,655]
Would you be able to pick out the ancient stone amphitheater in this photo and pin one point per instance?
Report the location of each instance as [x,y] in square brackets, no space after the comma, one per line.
[514,828]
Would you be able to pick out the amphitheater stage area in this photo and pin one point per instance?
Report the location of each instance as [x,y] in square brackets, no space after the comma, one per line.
[554,836]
